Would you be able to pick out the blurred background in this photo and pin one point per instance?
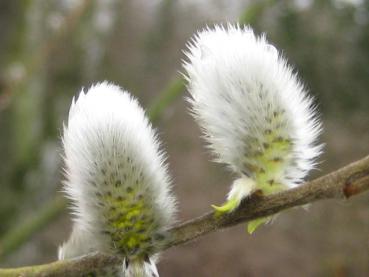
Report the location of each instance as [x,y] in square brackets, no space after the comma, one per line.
[50,49]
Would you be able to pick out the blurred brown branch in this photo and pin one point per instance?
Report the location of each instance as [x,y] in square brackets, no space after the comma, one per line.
[341,184]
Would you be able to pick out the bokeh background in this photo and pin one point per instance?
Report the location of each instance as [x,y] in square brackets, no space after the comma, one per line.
[50,49]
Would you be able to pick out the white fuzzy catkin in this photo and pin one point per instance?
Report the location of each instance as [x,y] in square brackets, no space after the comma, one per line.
[255,114]
[116,179]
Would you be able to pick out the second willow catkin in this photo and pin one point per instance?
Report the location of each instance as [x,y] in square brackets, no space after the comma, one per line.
[255,114]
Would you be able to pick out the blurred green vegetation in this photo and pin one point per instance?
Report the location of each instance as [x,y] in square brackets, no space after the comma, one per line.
[50,49]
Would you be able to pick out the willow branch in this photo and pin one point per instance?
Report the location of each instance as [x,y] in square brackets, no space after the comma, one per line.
[341,184]
[348,181]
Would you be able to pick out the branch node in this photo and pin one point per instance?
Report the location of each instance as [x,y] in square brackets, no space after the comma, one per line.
[351,186]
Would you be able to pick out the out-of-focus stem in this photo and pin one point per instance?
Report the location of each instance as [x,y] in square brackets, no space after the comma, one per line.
[167,96]
[21,233]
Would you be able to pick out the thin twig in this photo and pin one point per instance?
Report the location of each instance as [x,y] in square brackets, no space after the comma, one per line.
[346,182]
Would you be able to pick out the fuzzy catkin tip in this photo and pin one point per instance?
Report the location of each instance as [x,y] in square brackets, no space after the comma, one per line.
[241,188]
